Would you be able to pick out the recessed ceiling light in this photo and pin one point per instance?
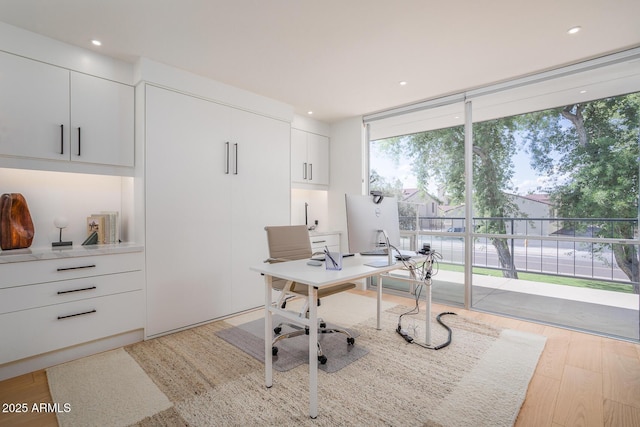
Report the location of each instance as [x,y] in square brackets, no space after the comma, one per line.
[574,30]
[403,83]
[583,91]
[309,112]
[96,42]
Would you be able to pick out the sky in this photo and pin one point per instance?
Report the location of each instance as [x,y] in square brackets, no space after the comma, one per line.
[525,179]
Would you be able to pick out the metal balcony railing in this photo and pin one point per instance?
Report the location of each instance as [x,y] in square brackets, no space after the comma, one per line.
[573,247]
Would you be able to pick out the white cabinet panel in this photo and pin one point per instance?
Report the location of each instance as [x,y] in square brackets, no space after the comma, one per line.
[309,158]
[261,197]
[319,242]
[50,113]
[101,121]
[34,109]
[187,210]
[63,325]
[318,159]
[215,176]
[69,268]
[298,156]
[85,298]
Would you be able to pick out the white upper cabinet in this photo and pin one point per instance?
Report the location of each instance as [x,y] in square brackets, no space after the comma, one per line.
[309,158]
[34,109]
[51,113]
[102,124]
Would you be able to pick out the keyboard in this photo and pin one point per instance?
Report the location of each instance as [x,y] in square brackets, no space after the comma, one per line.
[375,252]
[321,257]
[381,252]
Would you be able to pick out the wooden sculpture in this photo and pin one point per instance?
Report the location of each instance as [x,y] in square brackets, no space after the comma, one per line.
[16,227]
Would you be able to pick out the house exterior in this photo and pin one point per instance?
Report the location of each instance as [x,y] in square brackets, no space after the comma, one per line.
[532,219]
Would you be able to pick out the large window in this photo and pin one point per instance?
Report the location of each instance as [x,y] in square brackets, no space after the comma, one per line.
[554,195]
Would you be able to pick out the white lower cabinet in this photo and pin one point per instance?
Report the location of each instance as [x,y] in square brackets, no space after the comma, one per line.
[215,176]
[321,240]
[47,305]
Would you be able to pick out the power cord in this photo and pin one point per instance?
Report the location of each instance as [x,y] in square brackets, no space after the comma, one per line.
[425,272]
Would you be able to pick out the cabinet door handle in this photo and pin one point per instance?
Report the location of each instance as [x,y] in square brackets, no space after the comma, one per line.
[76,268]
[304,170]
[319,241]
[226,149]
[61,139]
[79,142]
[235,147]
[77,314]
[310,171]
[77,290]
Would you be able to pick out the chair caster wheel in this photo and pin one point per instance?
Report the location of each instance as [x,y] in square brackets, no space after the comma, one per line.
[351,341]
[277,330]
[274,351]
[322,359]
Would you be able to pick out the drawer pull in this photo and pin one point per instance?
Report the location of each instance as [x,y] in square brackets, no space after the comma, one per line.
[76,268]
[76,290]
[319,241]
[77,314]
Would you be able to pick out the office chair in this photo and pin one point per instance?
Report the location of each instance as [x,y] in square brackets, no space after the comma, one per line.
[289,243]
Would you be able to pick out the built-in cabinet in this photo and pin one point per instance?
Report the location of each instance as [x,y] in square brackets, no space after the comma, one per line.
[51,300]
[102,121]
[215,176]
[51,113]
[309,158]
[320,241]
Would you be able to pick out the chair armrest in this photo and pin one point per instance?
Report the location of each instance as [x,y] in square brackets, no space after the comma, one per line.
[274,260]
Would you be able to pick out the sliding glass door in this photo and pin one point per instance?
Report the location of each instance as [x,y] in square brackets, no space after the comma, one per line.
[529,193]
[425,172]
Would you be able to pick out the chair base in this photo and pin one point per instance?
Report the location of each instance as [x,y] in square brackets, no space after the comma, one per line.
[298,330]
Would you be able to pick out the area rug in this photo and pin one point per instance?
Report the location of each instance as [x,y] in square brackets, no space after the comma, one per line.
[292,352]
[107,389]
[480,379]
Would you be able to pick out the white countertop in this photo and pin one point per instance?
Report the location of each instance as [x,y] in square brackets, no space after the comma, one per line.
[322,232]
[44,253]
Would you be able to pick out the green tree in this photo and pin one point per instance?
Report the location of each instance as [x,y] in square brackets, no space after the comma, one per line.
[592,150]
[438,155]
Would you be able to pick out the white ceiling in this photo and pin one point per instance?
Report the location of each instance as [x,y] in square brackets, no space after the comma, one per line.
[341,58]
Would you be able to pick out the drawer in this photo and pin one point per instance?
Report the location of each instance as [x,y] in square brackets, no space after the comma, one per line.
[30,272]
[319,242]
[36,331]
[43,294]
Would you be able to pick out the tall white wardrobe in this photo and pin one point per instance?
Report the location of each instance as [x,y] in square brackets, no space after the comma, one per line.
[214,176]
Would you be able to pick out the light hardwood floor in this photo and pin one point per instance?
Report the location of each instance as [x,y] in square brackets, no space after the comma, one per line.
[580,380]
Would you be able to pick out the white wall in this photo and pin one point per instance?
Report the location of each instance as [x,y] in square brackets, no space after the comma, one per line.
[31,45]
[318,208]
[348,171]
[162,75]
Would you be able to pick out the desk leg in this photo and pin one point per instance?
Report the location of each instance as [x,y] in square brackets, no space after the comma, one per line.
[379,307]
[313,352]
[427,337]
[268,331]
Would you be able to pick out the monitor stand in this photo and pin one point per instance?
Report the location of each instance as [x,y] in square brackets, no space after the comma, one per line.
[389,261]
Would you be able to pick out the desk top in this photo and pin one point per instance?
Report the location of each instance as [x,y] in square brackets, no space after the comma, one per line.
[353,268]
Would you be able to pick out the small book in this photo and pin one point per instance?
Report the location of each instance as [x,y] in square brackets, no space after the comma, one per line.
[114,226]
[96,223]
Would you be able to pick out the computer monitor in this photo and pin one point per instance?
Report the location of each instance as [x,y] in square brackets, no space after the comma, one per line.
[365,219]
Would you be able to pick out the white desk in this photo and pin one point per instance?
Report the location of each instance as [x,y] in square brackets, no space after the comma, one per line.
[353,268]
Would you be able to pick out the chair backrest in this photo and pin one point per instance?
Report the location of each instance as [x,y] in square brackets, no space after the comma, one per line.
[288,242]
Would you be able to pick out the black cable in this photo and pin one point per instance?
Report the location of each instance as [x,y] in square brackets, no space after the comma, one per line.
[438,347]
[425,274]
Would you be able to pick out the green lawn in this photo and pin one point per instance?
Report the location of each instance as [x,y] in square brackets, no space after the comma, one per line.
[544,278]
